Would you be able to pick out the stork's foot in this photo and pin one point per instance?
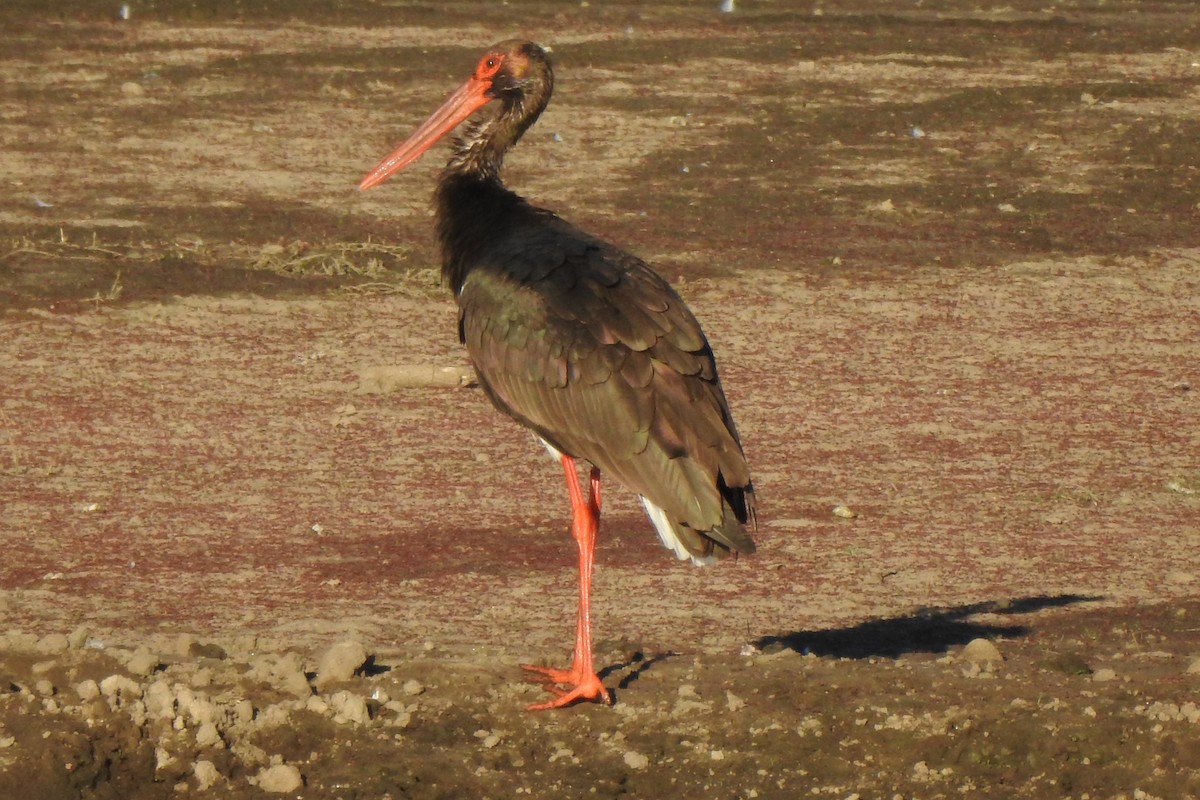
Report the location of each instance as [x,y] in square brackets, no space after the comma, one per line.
[569,685]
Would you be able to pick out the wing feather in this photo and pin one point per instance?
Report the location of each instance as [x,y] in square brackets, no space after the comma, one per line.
[590,348]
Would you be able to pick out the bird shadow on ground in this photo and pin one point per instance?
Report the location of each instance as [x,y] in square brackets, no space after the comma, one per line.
[928,630]
[632,668]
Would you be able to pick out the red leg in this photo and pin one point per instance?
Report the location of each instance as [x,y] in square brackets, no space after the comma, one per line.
[580,678]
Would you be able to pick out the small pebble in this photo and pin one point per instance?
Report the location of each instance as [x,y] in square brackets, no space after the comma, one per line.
[288,673]
[160,700]
[981,652]
[280,779]
[206,774]
[201,678]
[340,662]
[208,736]
[183,644]
[53,643]
[117,685]
[77,638]
[20,642]
[349,707]
[142,662]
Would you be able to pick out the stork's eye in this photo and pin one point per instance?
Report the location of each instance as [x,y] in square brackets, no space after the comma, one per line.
[488,67]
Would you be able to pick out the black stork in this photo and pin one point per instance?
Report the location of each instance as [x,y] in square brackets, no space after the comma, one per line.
[581,342]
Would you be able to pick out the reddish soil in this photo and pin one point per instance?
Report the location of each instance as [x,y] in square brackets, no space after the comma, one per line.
[949,261]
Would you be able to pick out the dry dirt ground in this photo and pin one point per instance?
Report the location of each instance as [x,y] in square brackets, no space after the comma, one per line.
[947,253]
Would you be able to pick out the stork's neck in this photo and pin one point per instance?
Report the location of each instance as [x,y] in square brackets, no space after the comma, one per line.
[474,212]
[474,207]
[481,148]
